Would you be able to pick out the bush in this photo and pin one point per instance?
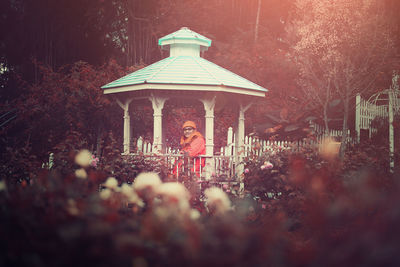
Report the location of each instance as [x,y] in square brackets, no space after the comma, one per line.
[299,209]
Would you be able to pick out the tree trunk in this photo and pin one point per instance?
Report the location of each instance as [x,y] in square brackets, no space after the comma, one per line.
[99,141]
[326,118]
[257,22]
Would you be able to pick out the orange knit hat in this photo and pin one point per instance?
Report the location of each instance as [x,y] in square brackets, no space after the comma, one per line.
[189,124]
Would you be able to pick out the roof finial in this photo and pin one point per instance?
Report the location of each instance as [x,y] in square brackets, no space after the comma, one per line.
[184,42]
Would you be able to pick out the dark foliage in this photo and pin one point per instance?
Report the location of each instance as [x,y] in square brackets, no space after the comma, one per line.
[299,209]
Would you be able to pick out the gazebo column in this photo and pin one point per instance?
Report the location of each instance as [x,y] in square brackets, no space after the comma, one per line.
[127,124]
[158,104]
[240,144]
[209,105]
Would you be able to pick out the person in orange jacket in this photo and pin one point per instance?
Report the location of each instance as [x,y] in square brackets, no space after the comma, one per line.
[193,145]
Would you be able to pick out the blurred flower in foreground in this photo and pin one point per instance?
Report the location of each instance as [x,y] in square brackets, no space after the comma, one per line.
[83,158]
[174,194]
[145,180]
[131,195]
[81,173]
[217,200]
[145,185]
[111,183]
[71,207]
[329,148]
[246,170]
[105,194]
[173,203]
[127,190]
[3,186]
[194,214]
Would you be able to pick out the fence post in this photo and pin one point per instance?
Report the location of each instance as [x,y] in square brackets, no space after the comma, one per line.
[240,149]
[229,142]
[139,144]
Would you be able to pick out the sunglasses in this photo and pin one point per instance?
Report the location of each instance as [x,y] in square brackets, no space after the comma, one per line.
[188,129]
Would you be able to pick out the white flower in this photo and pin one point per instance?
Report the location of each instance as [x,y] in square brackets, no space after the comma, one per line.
[81,173]
[267,165]
[3,186]
[71,207]
[111,183]
[134,198]
[174,194]
[146,180]
[127,190]
[163,213]
[131,195]
[105,194]
[194,214]
[217,200]
[173,190]
[83,158]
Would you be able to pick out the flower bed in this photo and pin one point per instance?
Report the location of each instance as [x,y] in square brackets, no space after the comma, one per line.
[297,209]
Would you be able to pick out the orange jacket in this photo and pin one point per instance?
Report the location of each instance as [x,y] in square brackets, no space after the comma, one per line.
[194,145]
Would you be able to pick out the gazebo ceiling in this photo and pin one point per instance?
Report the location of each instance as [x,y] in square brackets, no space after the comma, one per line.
[185,70]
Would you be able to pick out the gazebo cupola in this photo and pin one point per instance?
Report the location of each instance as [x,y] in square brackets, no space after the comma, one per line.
[184,43]
[184,74]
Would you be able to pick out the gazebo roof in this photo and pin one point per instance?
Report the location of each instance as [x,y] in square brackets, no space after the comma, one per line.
[185,70]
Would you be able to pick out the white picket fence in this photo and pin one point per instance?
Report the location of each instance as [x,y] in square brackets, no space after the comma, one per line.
[252,144]
[320,133]
[224,160]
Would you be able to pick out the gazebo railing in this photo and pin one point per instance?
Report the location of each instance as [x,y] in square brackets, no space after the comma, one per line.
[218,167]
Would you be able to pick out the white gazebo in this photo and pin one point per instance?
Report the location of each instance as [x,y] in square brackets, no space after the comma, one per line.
[185,74]
[384,104]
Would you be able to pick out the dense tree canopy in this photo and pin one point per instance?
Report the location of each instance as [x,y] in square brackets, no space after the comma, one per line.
[44,40]
[342,48]
[354,39]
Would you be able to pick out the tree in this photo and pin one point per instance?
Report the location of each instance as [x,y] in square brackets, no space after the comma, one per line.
[257,21]
[64,101]
[341,48]
[55,33]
